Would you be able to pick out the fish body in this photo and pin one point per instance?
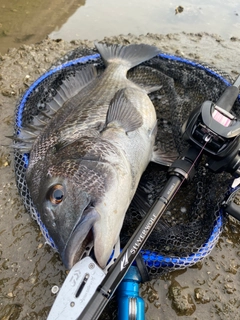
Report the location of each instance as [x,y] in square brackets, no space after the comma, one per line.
[86,162]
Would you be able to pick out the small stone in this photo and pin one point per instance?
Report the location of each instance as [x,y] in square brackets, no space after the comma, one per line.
[10,295]
[179,9]
[229,289]
[8,93]
[182,302]
[157,305]
[40,245]
[201,296]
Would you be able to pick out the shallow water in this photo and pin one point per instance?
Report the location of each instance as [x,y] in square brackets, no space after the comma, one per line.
[141,16]
[26,22]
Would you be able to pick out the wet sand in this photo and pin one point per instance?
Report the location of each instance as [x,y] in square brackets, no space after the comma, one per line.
[31,21]
[29,269]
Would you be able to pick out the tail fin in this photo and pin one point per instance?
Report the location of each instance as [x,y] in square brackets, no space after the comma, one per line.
[130,56]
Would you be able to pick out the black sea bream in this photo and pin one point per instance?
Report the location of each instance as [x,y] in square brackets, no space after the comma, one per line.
[86,163]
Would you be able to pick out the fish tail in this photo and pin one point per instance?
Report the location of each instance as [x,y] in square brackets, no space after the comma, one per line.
[130,56]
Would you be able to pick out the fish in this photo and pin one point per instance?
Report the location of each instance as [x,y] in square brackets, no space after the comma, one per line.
[86,161]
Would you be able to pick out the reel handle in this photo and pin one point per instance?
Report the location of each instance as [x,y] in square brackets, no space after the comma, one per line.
[231,205]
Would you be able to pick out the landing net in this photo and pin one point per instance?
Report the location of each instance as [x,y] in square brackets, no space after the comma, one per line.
[191,226]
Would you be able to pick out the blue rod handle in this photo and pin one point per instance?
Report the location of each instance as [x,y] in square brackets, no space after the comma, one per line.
[130,304]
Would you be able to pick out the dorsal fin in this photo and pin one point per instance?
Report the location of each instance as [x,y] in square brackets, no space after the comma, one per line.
[68,89]
[71,86]
[123,113]
[39,121]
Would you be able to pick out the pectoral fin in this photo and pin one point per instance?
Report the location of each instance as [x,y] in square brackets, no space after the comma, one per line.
[123,113]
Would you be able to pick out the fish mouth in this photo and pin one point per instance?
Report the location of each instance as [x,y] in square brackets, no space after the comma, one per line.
[80,238]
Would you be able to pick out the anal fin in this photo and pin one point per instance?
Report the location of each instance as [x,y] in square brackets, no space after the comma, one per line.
[163,157]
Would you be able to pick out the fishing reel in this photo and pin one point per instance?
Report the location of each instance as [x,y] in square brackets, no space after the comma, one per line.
[213,128]
[214,131]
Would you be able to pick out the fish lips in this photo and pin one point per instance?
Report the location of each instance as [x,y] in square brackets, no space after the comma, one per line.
[80,237]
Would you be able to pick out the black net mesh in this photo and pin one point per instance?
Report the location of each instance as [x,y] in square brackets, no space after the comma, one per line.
[192,223]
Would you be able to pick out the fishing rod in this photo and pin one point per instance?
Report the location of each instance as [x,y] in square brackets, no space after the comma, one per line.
[211,130]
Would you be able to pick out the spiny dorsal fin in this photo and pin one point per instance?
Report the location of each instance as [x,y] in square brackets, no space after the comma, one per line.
[26,134]
[130,56]
[123,112]
[39,121]
[25,139]
[71,86]
[68,89]
[22,145]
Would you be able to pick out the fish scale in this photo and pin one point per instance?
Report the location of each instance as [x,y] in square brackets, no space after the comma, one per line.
[98,112]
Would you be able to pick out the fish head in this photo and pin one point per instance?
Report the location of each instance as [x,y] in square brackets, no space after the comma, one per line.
[65,203]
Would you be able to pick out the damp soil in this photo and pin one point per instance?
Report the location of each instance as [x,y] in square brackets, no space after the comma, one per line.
[28,22]
[29,268]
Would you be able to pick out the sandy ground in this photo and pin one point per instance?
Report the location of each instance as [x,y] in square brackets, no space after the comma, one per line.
[29,269]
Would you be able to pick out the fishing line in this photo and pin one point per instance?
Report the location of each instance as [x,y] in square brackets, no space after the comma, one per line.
[207,139]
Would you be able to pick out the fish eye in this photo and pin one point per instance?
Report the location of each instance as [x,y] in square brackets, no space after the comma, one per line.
[55,194]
